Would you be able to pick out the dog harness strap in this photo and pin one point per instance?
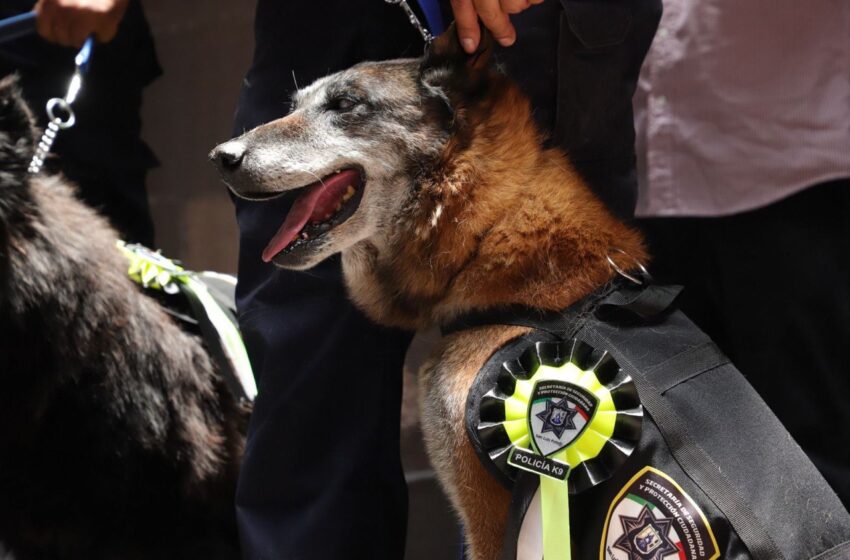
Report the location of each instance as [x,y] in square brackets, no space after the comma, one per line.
[553,322]
[697,463]
[646,302]
[693,459]
[612,319]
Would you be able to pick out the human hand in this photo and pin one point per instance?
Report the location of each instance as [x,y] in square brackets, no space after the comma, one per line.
[494,16]
[70,22]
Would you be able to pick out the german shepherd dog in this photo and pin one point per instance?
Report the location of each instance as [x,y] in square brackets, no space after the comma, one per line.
[118,437]
[434,186]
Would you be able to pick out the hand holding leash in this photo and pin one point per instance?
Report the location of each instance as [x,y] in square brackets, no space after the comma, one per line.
[494,14]
[70,22]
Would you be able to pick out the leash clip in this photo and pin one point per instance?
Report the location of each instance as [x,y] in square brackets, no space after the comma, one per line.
[426,35]
[60,115]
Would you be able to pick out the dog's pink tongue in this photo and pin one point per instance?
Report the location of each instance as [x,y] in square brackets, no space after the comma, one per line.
[297,218]
[317,203]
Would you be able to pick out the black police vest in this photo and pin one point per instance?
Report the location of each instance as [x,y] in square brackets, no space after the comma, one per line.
[714,473]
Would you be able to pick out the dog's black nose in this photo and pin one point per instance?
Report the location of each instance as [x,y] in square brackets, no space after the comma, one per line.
[228,156]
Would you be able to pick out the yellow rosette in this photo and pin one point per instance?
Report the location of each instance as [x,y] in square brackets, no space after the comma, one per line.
[571,416]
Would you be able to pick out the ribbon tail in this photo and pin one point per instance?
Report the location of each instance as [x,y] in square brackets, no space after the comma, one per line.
[228,335]
[555,505]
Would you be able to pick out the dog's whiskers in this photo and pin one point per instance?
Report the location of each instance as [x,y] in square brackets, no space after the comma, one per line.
[318,179]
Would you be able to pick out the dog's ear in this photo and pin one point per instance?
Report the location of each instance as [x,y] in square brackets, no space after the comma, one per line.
[17,126]
[447,68]
[446,51]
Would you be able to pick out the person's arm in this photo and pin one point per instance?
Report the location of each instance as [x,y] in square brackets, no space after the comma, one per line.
[70,22]
[494,15]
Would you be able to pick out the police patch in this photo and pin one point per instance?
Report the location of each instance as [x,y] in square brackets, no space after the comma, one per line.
[558,414]
[652,518]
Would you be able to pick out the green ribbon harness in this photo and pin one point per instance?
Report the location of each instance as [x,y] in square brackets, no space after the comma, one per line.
[151,270]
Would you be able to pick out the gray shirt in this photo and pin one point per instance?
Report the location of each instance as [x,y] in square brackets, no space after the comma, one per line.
[742,103]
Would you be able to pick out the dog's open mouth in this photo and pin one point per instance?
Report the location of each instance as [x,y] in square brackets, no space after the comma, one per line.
[318,208]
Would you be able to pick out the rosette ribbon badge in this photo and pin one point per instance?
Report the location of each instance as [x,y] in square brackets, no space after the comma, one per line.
[572,417]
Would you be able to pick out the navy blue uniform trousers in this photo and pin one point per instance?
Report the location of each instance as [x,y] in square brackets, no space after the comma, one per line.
[321,477]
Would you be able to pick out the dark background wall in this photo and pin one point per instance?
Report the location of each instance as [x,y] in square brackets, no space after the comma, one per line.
[204,48]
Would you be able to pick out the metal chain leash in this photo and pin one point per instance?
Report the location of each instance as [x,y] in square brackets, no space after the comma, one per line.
[426,35]
[60,114]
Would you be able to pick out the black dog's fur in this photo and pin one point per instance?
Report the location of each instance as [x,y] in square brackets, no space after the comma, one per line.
[118,438]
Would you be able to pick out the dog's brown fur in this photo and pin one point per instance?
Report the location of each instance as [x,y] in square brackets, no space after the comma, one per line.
[508,222]
[502,221]
[463,210]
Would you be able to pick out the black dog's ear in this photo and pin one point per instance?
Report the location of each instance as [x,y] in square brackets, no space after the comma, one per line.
[448,68]
[17,125]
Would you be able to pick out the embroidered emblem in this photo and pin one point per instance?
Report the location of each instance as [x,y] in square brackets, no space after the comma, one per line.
[645,537]
[558,414]
[576,409]
[652,518]
[557,417]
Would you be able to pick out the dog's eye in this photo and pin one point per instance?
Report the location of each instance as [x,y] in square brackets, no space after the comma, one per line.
[343,103]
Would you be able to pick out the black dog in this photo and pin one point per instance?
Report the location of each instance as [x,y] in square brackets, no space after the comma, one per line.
[118,437]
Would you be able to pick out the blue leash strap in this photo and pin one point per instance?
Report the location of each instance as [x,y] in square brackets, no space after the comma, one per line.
[59,112]
[84,56]
[17,26]
[433,15]
[20,25]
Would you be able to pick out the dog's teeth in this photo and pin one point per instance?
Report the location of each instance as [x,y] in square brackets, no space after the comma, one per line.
[349,192]
[338,206]
[304,235]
